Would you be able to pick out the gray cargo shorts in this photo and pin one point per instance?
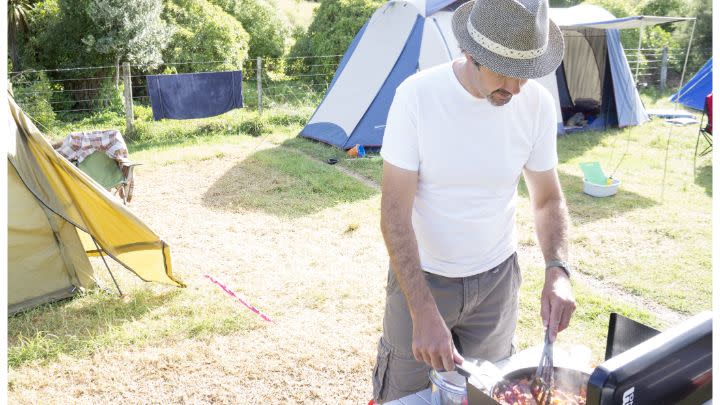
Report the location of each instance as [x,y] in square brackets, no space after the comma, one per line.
[480,311]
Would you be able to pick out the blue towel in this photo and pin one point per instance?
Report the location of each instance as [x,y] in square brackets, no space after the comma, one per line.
[194,95]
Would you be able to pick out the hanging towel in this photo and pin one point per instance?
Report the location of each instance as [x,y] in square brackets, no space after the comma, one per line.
[194,95]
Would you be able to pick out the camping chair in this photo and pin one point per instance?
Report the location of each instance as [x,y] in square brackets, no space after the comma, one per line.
[705,131]
[103,156]
[110,173]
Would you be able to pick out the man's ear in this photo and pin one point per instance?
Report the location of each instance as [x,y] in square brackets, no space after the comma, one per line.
[468,58]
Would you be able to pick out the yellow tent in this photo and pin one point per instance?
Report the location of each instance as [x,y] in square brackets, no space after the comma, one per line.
[58,216]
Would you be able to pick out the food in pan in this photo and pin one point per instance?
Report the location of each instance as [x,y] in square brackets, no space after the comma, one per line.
[518,392]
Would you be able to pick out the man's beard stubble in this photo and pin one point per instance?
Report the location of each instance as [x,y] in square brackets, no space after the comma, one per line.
[499,97]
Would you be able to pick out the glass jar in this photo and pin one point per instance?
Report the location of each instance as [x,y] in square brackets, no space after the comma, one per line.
[448,388]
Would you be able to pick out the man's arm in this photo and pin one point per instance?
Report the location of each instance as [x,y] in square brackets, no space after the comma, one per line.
[557,302]
[432,342]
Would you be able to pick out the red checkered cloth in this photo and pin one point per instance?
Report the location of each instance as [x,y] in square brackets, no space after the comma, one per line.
[79,145]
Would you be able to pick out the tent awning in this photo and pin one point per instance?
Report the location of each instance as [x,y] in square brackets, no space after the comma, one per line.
[582,15]
[590,16]
[633,22]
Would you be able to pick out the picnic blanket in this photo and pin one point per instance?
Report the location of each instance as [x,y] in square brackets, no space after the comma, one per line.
[194,95]
[79,145]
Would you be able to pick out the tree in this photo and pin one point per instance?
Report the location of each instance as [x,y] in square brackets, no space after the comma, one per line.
[128,29]
[206,37]
[267,27]
[335,24]
[17,23]
[702,39]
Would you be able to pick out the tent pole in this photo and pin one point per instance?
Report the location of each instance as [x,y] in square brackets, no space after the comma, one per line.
[677,102]
[637,57]
[687,54]
[100,252]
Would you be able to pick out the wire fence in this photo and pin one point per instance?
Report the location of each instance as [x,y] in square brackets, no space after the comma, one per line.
[73,93]
[286,82]
[660,67]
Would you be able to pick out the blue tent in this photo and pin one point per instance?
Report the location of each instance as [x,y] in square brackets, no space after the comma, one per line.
[404,36]
[693,93]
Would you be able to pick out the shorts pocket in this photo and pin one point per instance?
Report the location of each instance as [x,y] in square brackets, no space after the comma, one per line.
[406,375]
[397,375]
[380,371]
[517,275]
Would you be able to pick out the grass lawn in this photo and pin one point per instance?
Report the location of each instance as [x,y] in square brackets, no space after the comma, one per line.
[241,198]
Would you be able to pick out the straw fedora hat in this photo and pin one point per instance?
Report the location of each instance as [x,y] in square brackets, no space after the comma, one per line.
[515,38]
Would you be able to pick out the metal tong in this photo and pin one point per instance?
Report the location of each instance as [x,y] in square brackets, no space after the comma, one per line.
[485,373]
[544,380]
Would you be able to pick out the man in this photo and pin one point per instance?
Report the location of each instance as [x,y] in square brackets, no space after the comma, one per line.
[457,139]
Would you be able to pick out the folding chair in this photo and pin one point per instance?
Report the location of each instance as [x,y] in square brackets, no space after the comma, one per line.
[103,156]
[705,131]
[110,173]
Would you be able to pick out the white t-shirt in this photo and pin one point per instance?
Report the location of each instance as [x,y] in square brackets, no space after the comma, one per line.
[469,156]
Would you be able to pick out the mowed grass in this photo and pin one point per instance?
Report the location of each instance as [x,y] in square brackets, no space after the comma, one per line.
[97,320]
[284,182]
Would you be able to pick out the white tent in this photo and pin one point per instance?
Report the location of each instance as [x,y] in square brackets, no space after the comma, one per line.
[404,36]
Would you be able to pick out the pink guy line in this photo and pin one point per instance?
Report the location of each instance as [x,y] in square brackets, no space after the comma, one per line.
[242,301]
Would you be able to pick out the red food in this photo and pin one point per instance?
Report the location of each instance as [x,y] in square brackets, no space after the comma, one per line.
[519,393]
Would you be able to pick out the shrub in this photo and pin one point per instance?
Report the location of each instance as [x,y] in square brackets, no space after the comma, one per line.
[268,29]
[110,98]
[287,118]
[255,125]
[142,113]
[334,26]
[204,32]
[33,93]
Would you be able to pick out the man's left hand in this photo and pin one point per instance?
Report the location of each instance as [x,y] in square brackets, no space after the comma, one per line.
[557,302]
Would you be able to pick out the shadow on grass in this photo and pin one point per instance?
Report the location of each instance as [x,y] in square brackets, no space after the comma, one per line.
[284,183]
[585,208]
[576,144]
[76,326]
[703,178]
[369,167]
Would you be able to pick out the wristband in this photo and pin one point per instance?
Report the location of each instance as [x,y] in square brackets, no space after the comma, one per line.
[559,263]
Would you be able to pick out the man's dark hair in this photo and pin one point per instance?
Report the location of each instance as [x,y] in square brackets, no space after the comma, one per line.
[474,62]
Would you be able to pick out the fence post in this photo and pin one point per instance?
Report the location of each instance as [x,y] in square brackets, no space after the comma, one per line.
[259,84]
[663,68]
[129,116]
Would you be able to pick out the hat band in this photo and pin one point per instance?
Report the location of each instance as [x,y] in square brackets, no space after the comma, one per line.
[501,50]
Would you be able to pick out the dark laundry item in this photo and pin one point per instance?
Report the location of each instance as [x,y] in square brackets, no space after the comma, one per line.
[194,95]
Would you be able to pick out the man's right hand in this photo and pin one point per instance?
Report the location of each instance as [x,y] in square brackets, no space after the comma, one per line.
[432,342]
